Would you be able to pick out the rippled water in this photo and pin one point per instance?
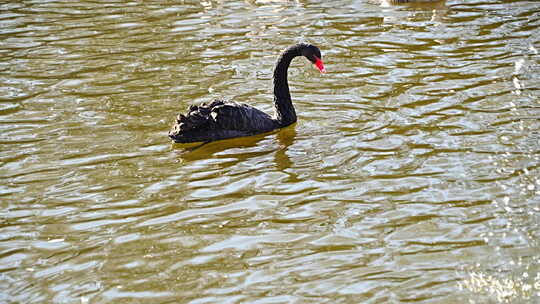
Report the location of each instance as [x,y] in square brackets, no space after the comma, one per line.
[412,174]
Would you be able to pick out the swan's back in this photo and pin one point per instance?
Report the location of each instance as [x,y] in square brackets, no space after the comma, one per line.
[220,120]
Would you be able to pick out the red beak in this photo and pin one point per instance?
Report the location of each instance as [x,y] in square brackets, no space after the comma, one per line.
[319,64]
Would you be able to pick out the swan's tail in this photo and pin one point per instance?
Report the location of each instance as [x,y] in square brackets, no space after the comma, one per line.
[197,119]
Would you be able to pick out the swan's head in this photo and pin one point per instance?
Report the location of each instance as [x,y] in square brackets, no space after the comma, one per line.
[313,54]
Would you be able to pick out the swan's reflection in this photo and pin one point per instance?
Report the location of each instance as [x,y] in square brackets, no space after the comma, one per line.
[196,151]
[286,138]
[242,148]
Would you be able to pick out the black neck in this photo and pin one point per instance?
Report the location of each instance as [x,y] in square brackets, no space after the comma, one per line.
[285,113]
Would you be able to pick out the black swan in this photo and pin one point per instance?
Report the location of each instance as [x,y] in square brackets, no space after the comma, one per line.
[224,119]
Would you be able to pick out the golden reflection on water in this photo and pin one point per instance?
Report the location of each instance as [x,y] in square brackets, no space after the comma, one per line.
[410,176]
[504,290]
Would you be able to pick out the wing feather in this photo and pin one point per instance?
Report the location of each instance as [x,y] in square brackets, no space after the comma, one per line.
[219,120]
[242,117]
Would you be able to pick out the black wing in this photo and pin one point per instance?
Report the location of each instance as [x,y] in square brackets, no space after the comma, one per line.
[219,120]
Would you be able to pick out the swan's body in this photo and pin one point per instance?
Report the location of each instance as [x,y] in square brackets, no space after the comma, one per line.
[224,119]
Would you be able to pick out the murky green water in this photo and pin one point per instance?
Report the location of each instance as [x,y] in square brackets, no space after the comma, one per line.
[411,176]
